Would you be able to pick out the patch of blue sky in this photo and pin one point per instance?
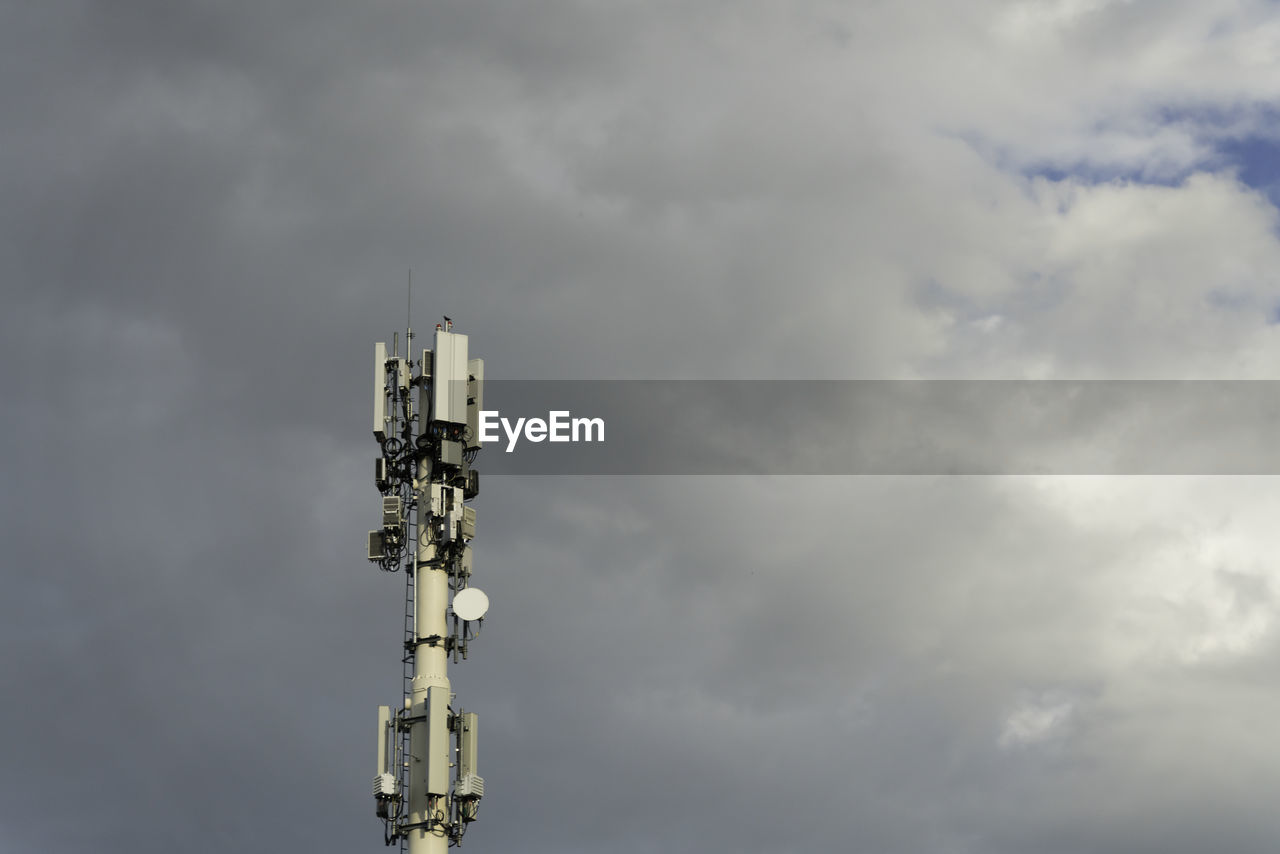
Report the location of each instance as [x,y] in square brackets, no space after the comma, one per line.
[1256,161]
[1138,149]
[1036,292]
[1102,172]
[1179,141]
[1231,120]
[1100,156]
[1243,138]
[1226,299]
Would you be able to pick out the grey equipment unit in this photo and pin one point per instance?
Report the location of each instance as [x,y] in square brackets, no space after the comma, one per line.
[426,795]
[470,784]
[392,511]
[377,548]
[386,785]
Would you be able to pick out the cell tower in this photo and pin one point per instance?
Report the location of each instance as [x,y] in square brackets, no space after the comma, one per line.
[427,789]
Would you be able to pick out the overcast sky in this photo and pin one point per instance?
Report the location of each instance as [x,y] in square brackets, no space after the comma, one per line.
[207,216]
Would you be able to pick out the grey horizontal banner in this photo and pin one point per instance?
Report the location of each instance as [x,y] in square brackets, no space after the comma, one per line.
[860,427]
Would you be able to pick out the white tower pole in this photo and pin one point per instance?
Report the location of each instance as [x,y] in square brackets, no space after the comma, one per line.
[426,801]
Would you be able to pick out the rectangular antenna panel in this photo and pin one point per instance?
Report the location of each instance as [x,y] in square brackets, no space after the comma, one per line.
[449,378]
[376,549]
[384,731]
[380,391]
[468,523]
[437,754]
[475,401]
[424,394]
[467,751]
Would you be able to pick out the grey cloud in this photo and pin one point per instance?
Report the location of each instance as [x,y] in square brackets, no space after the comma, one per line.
[208,216]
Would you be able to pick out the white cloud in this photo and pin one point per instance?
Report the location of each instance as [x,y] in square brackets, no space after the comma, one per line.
[814,163]
[1124,280]
[1035,721]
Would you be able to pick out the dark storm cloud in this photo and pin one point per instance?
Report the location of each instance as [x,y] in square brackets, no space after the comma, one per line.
[208,216]
[825,669]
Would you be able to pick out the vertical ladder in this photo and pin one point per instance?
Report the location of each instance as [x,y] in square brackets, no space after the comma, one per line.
[406,666]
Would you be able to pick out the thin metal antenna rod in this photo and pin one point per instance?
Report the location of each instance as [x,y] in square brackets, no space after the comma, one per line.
[408,321]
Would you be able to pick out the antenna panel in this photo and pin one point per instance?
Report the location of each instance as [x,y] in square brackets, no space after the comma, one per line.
[377,551]
[437,770]
[384,729]
[467,752]
[475,401]
[449,378]
[380,391]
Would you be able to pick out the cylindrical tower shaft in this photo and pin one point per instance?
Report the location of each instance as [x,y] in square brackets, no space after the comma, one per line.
[429,701]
